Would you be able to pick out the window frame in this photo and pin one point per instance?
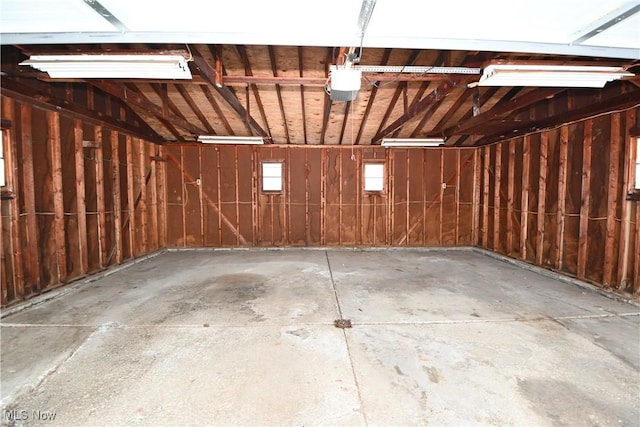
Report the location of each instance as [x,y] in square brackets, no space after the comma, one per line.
[633,175]
[383,178]
[263,176]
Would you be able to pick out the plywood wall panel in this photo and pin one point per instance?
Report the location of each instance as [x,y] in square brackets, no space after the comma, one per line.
[399,189]
[193,203]
[449,168]
[210,186]
[175,198]
[416,198]
[333,207]
[246,192]
[466,194]
[314,195]
[350,190]
[297,197]
[433,196]
[228,196]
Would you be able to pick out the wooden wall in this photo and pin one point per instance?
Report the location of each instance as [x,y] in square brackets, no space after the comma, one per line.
[558,199]
[428,199]
[79,198]
[82,197]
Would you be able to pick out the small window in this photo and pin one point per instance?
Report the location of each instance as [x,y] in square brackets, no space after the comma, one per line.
[637,187]
[272,176]
[2,177]
[373,177]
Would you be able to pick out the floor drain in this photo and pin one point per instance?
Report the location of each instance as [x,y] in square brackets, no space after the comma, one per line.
[342,323]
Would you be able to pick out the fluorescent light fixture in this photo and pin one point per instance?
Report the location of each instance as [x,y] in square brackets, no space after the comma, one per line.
[550,75]
[107,66]
[231,140]
[412,142]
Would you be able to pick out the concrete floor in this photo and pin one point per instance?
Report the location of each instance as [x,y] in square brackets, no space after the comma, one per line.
[248,338]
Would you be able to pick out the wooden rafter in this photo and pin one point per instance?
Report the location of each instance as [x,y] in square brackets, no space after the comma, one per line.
[274,69]
[209,74]
[302,103]
[372,97]
[254,88]
[483,99]
[396,95]
[426,116]
[140,101]
[327,99]
[167,104]
[441,60]
[217,109]
[443,89]
[194,107]
[433,97]
[345,120]
[43,97]
[619,102]
[500,109]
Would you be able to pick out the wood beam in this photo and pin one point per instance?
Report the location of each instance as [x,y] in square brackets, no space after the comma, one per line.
[274,69]
[41,98]
[619,102]
[585,206]
[32,236]
[501,109]
[53,121]
[100,202]
[302,103]
[254,88]
[209,74]
[217,109]
[372,97]
[327,100]
[168,105]
[542,198]
[345,120]
[138,100]
[434,96]
[399,89]
[194,107]
[562,195]
[612,200]
[263,80]
[117,203]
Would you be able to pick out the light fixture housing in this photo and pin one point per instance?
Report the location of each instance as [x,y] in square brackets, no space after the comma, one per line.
[231,140]
[345,83]
[112,66]
[550,75]
[412,142]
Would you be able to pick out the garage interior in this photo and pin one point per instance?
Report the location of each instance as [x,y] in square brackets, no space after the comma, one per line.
[263,239]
